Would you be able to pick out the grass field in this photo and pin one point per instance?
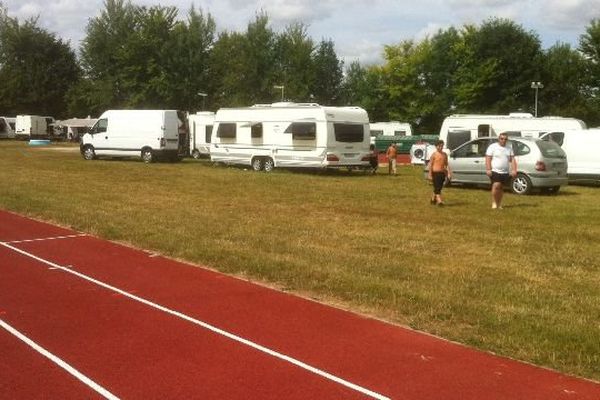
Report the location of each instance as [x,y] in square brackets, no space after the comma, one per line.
[522,282]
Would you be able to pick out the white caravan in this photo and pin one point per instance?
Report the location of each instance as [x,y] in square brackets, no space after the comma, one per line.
[31,126]
[266,136]
[148,134]
[391,128]
[460,128]
[201,125]
[7,127]
[581,147]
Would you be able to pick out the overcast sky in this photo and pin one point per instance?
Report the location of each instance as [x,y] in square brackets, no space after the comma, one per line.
[359,28]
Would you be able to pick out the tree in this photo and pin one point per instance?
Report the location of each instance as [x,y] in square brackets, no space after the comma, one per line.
[499,60]
[328,74]
[294,63]
[563,73]
[589,45]
[36,70]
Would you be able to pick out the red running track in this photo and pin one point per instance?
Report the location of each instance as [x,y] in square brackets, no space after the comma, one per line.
[81,317]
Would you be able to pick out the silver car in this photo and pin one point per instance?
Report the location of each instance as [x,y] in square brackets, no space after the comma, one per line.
[541,164]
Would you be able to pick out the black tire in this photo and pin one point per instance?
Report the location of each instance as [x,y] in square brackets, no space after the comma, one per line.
[147,155]
[268,164]
[521,184]
[196,154]
[88,153]
[258,164]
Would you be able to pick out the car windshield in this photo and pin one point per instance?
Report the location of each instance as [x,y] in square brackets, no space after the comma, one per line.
[551,149]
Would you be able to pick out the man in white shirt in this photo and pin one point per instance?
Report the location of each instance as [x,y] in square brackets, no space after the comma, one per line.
[500,165]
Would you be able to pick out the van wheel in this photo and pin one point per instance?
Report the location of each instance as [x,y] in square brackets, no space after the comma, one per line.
[521,184]
[147,155]
[257,164]
[89,153]
[269,165]
[196,154]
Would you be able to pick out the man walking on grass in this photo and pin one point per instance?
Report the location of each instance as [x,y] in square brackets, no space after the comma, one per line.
[500,166]
[391,154]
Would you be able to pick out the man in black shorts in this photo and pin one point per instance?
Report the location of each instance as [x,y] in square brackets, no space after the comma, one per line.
[500,165]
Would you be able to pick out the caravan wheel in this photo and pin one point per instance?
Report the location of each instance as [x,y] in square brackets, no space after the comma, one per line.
[269,164]
[257,164]
[196,154]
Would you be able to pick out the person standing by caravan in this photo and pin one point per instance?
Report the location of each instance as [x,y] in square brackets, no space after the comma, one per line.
[374,159]
[391,154]
[438,172]
[500,165]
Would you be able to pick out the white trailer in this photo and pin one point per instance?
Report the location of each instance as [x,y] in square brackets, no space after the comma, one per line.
[148,134]
[31,126]
[581,147]
[201,125]
[266,136]
[390,128]
[460,128]
[7,127]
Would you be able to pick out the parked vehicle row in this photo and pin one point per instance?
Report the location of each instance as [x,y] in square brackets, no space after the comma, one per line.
[541,164]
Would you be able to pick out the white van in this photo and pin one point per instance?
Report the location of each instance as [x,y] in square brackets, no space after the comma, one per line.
[30,126]
[391,128]
[266,136]
[7,128]
[581,147]
[460,128]
[201,125]
[148,134]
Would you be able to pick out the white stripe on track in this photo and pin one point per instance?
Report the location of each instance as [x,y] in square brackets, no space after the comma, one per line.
[64,365]
[209,327]
[48,238]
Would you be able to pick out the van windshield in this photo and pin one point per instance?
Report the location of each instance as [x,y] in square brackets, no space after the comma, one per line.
[350,133]
[551,149]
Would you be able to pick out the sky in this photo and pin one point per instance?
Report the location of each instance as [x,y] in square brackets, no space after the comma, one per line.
[359,28]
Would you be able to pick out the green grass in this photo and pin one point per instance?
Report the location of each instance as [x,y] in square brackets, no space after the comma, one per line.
[522,282]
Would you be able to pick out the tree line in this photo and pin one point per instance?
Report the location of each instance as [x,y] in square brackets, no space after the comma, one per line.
[146,57]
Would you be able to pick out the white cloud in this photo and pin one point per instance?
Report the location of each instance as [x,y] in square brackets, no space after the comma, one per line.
[359,28]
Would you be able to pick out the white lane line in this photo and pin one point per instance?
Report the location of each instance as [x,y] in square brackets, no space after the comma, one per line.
[209,327]
[47,238]
[64,365]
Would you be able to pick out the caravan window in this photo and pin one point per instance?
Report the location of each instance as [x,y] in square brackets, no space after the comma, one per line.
[256,131]
[376,133]
[399,133]
[483,130]
[207,133]
[226,130]
[456,138]
[302,130]
[350,133]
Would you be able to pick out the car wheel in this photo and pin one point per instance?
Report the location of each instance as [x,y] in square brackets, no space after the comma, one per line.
[147,155]
[257,164]
[269,165]
[521,184]
[196,154]
[89,153]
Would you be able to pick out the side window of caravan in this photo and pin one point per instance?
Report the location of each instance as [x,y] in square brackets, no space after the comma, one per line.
[100,126]
[350,133]
[256,131]
[399,133]
[376,133]
[513,133]
[458,137]
[226,130]
[302,130]
[207,133]
[483,130]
